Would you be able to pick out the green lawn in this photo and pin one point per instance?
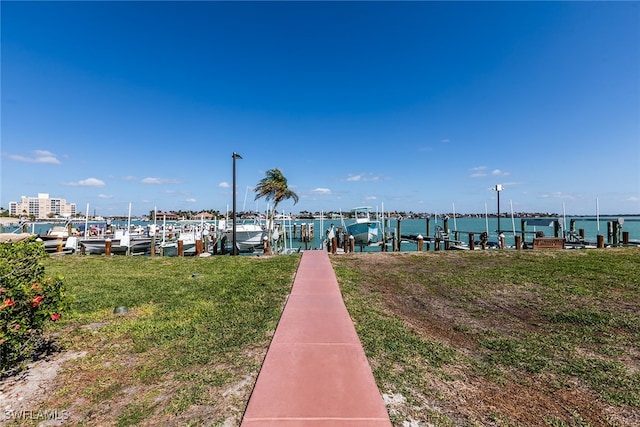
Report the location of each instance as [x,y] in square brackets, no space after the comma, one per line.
[189,348]
[500,338]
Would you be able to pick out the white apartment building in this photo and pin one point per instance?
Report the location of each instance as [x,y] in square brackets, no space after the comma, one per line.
[42,207]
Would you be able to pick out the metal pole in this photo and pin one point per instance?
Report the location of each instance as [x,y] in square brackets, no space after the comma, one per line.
[498,189]
[234,249]
[498,212]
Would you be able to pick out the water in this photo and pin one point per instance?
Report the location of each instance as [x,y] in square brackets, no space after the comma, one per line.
[592,229]
[490,225]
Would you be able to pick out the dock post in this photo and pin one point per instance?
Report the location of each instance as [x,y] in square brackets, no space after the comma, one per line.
[600,241]
[581,233]
[399,233]
[334,245]
[198,247]
[445,228]
[345,244]
[420,242]
[107,247]
[609,232]
[352,243]
[472,242]
[180,248]
[518,243]
[428,232]
[625,237]
[153,246]
[214,244]
[616,232]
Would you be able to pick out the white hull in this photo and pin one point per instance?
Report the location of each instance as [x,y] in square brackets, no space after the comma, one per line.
[248,236]
[364,230]
[98,246]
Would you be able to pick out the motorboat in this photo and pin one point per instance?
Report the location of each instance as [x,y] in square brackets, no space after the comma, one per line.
[365,231]
[249,234]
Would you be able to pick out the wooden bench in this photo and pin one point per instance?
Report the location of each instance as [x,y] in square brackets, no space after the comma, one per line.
[548,243]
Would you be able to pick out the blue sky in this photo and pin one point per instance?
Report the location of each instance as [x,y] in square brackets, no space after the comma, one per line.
[419,106]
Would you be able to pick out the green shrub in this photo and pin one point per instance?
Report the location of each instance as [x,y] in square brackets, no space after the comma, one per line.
[28,299]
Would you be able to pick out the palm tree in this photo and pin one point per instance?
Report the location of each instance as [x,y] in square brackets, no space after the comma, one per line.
[274,187]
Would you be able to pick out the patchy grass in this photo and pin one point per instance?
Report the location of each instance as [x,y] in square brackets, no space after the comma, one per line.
[189,348]
[495,338]
[501,337]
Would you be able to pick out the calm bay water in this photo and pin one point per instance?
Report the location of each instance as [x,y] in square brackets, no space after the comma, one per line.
[592,228]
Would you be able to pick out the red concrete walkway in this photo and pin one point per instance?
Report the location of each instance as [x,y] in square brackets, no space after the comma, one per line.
[315,372]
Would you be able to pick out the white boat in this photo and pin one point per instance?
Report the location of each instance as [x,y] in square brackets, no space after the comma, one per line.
[122,243]
[188,232]
[170,248]
[364,230]
[249,234]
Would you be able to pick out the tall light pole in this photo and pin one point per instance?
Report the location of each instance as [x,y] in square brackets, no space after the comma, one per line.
[234,248]
[498,189]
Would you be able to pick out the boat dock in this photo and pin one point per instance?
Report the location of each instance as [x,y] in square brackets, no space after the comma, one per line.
[315,372]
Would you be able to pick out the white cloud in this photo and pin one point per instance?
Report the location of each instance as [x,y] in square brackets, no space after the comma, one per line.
[498,172]
[104,196]
[478,172]
[89,182]
[190,200]
[224,184]
[362,177]
[321,190]
[39,156]
[371,198]
[151,180]
[633,199]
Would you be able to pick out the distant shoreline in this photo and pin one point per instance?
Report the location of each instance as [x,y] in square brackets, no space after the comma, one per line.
[4,221]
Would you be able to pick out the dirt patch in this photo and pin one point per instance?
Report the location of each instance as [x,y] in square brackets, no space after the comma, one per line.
[22,394]
[92,388]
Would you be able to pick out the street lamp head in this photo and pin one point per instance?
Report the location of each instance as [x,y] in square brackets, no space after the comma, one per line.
[236,155]
[498,187]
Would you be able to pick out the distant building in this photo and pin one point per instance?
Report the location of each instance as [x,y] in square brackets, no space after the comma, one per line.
[42,207]
[204,215]
[169,216]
